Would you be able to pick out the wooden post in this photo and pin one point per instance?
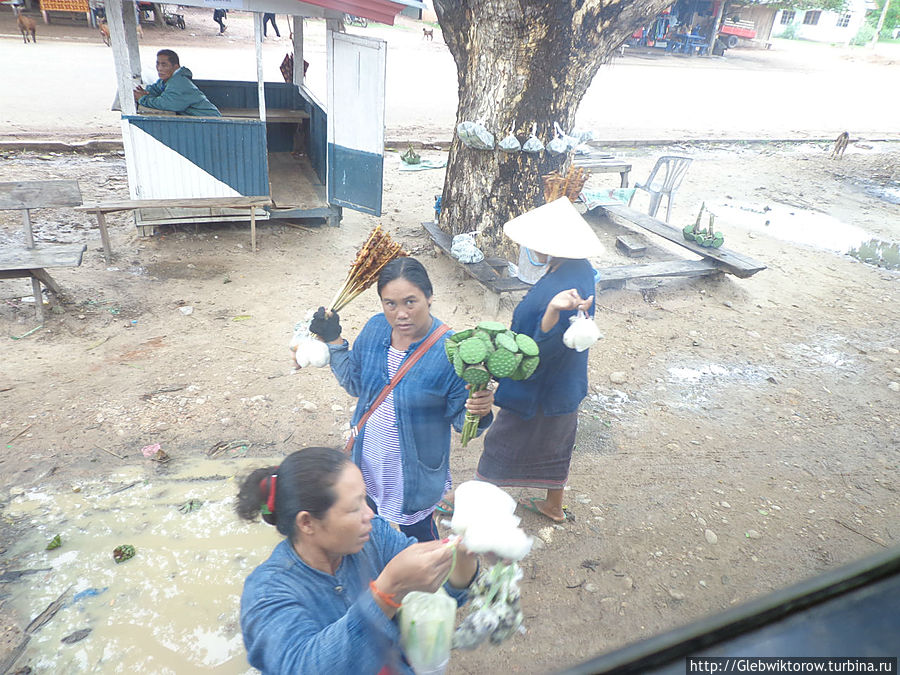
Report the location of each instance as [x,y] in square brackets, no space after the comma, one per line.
[35,284]
[130,21]
[158,17]
[253,228]
[104,237]
[714,31]
[298,50]
[260,78]
[122,54]
[884,11]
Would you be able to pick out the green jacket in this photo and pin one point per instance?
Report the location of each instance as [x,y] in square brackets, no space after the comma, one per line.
[180,95]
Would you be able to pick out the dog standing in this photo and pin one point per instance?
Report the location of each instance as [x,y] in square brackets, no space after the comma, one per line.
[840,145]
[428,34]
[26,24]
[103,27]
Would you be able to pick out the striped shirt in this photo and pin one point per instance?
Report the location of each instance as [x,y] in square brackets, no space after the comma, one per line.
[381,461]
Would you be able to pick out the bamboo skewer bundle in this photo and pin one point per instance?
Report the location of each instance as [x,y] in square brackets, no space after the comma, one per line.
[376,252]
[570,185]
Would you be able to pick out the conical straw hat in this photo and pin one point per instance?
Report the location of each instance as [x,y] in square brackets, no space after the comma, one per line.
[555,229]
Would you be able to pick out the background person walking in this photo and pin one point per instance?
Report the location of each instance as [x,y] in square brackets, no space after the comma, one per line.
[218,15]
[267,17]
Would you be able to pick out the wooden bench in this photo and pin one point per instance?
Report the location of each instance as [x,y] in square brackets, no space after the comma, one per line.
[31,261]
[100,210]
[714,260]
[489,272]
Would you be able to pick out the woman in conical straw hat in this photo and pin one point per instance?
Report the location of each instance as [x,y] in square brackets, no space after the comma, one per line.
[531,440]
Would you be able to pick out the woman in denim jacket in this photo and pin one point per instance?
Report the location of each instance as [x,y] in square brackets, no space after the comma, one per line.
[325,600]
[403,449]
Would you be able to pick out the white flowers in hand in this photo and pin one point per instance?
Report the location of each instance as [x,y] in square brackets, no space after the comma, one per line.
[483,517]
[582,333]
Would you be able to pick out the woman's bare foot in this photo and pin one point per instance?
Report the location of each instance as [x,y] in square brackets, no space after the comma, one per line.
[541,507]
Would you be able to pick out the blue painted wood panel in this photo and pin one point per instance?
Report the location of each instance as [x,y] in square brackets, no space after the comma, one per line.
[318,139]
[236,94]
[233,151]
[356,179]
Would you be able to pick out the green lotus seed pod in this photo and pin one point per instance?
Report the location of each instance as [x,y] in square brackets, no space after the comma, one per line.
[477,376]
[458,364]
[717,241]
[492,327]
[506,341]
[526,345]
[473,350]
[450,348]
[503,363]
[462,335]
[529,365]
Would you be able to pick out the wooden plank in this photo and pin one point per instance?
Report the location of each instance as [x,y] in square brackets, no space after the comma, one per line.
[617,276]
[272,114]
[293,183]
[59,255]
[739,265]
[38,194]
[480,271]
[632,245]
[183,203]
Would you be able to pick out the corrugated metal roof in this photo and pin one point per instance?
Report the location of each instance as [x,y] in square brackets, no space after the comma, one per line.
[382,11]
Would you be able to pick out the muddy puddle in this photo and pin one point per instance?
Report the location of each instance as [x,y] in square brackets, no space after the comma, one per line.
[174,606]
[810,228]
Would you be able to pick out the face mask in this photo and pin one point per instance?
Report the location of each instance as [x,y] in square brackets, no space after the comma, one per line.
[528,269]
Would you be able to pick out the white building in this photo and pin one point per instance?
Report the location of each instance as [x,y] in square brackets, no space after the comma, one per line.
[821,25]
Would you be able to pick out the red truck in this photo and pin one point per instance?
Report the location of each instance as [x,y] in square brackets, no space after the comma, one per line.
[731,31]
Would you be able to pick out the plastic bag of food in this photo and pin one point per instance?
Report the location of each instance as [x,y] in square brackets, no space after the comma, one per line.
[475,136]
[510,143]
[308,351]
[582,333]
[533,144]
[561,143]
[426,630]
[464,249]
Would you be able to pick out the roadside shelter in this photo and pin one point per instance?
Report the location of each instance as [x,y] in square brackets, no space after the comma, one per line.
[312,157]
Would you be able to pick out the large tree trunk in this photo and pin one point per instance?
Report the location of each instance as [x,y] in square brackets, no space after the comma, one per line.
[519,63]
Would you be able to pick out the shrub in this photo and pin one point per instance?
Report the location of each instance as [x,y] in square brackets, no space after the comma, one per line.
[789,32]
[864,36]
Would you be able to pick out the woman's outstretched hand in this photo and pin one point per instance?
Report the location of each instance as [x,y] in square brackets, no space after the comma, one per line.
[420,567]
[563,301]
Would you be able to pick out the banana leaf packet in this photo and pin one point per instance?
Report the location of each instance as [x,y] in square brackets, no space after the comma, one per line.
[123,553]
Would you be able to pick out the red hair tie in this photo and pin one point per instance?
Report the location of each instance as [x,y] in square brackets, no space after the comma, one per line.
[269,506]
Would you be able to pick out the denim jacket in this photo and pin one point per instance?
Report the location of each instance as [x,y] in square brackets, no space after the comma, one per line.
[560,382]
[427,402]
[296,619]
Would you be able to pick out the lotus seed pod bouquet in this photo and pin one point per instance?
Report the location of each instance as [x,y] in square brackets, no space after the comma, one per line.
[489,351]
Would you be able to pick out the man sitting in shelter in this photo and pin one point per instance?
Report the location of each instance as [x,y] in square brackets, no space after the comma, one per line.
[174,90]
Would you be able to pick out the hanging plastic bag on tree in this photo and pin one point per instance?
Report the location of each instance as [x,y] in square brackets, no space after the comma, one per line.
[510,143]
[426,630]
[561,143]
[475,136]
[533,145]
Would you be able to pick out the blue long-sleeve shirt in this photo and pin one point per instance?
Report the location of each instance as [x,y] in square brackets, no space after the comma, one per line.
[297,619]
[429,399]
[560,382]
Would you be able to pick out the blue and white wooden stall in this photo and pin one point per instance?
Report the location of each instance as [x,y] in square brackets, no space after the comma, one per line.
[274,138]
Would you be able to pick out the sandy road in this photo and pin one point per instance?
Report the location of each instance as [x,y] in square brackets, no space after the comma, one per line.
[63,86]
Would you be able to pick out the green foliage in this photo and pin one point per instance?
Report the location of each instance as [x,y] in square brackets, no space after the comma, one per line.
[864,36]
[789,32]
[891,19]
[824,5]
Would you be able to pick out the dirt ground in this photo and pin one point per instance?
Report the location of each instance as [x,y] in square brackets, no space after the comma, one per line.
[740,435]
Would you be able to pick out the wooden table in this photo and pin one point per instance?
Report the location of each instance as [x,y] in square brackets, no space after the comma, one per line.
[604,165]
[100,210]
